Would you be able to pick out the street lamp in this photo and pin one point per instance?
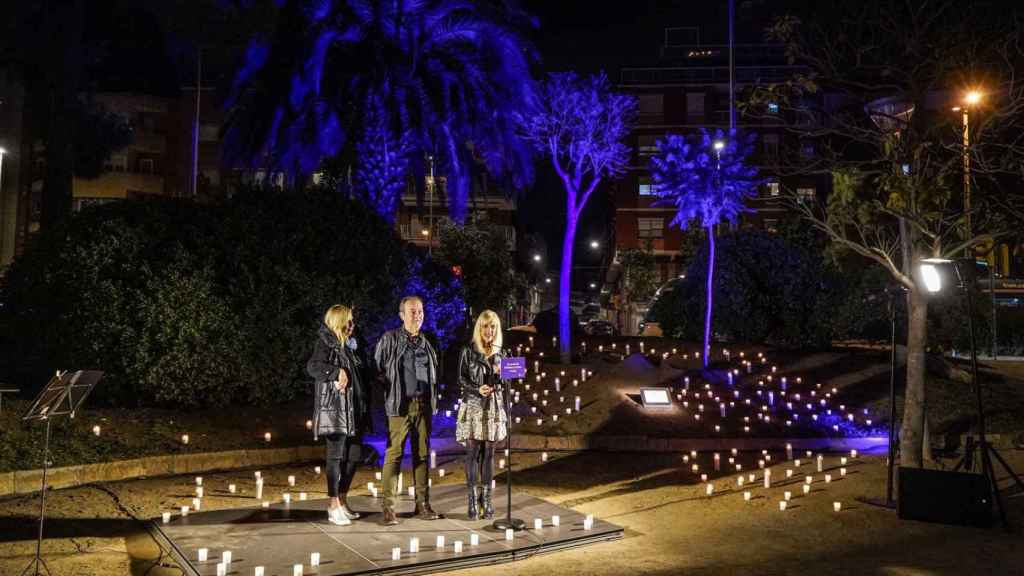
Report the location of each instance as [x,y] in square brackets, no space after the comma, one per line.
[972,98]
[594,244]
[536,257]
[718,145]
[936,274]
[592,285]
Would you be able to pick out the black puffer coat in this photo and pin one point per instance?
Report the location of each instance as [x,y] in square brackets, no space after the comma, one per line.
[336,412]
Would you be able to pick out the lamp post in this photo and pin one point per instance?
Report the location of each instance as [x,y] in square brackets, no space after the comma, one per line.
[3,200]
[970,99]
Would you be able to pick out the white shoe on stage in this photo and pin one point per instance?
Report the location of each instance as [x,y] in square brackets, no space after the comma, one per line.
[337,517]
[347,512]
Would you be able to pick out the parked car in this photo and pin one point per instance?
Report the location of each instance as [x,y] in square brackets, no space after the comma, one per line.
[600,328]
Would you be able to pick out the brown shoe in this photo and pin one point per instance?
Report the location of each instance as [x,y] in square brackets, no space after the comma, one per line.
[425,512]
[390,519]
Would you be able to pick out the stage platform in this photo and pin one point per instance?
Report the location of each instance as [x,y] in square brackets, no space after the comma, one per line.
[284,535]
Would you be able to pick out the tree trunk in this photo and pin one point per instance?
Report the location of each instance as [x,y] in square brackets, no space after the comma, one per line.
[564,288]
[912,430]
[710,287]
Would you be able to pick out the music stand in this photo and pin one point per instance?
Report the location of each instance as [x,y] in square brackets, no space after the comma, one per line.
[510,368]
[62,396]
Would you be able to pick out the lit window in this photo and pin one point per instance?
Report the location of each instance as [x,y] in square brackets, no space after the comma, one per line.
[146,165]
[773,189]
[771,145]
[646,188]
[647,144]
[805,193]
[650,227]
[116,163]
[906,169]
[771,225]
[773,107]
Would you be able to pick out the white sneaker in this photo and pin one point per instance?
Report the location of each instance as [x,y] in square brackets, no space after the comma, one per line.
[337,517]
[348,512]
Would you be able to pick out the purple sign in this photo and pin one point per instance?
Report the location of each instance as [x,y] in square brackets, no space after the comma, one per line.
[513,368]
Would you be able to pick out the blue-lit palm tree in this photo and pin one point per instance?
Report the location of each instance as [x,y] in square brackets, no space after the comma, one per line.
[395,79]
[707,179]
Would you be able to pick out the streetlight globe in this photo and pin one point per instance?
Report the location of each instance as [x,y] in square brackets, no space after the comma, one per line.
[536,257]
[719,144]
[595,244]
[972,97]
[592,285]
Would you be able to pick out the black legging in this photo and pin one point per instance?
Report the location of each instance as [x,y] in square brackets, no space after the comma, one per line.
[341,466]
[479,457]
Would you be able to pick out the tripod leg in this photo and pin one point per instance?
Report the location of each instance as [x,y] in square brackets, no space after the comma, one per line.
[986,463]
[1013,475]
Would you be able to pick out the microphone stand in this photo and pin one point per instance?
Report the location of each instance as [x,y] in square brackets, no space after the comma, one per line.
[508,521]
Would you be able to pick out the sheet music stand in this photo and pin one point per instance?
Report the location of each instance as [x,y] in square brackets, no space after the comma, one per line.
[63,395]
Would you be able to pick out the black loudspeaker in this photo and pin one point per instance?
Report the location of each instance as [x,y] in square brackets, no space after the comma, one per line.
[944,497]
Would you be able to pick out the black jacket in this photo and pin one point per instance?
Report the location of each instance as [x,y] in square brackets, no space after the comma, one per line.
[336,412]
[475,370]
[387,357]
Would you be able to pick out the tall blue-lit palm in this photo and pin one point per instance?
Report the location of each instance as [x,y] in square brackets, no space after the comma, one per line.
[708,180]
[419,77]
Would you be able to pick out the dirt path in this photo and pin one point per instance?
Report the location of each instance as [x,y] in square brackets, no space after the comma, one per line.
[671,526]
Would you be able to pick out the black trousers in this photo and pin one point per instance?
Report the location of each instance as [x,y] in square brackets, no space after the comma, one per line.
[343,455]
[479,463]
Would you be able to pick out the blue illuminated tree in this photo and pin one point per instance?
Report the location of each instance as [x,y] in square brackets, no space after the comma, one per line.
[708,181]
[439,77]
[580,124]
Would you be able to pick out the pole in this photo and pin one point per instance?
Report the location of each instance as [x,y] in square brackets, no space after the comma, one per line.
[892,401]
[195,126]
[992,296]
[732,66]
[430,219]
[508,521]
[968,251]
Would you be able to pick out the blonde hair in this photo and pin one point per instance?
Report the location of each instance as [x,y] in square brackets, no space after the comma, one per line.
[336,319]
[486,317]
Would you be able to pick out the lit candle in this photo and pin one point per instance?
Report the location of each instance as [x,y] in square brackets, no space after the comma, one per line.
[265,504]
[458,546]
[509,534]
[296,569]
[203,554]
[222,569]
[266,436]
[538,523]
[787,495]
[259,488]
[709,489]
[96,430]
[412,491]
[746,495]
[414,545]
[287,498]
[808,479]
[441,472]
[853,453]
[314,558]
[828,478]
[842,472]
[184,511]
[258,571]
[226,556]
[302,495]
[807,488]
[396,553]
[376,475]
[166,517]
[291,480]
[837,506]
[588,522]
[439,544]
[184,438]
[782,505]
[309,424]
[501,463]
[199,491]
[232,488]
[474,539]
[433,459]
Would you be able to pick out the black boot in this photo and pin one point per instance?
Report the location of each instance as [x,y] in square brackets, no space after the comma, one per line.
[471,509]
[487,507]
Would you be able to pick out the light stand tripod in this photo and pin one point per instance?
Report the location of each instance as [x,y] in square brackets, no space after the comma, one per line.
[966,273]
[508,521]
[894,292]
[62,395]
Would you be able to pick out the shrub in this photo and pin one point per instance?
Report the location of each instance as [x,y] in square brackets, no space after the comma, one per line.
[203,305]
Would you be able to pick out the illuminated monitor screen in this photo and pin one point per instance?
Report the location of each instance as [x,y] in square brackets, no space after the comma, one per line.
[656,397]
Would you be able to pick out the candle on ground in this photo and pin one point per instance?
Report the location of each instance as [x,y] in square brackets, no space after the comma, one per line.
[807,488]
[222,569]
[203,553]
[226,556]
[842,472]
[184,510]
[314,558]
[440,542]
[828,478]
[555,521]
[457,545]
[96,430]
[474,539]
[266,436]
[787,495]
[291,480]
[396,553]
[837,506]
[782,505]
[258,571]
[538,523]
[297,570]
[166,517]
[184,438]
[414,545]
[509,534]
[232,488]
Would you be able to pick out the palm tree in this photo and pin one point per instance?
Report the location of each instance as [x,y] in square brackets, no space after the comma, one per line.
[422,77]
[707,180]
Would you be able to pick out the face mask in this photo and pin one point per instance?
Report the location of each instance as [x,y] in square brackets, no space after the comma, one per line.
[352,344]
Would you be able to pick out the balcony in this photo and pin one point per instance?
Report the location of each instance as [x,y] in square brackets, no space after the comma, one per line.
[118,185]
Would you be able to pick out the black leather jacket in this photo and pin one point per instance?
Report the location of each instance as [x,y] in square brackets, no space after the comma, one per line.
[336,412]
[475,370]
[387,357]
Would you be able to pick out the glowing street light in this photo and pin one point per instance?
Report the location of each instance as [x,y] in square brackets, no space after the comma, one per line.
[719,145]
[547,280]
[972,97]
[536,257]
[594,244]
[593,285]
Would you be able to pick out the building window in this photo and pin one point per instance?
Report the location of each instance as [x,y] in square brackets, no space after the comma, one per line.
[116,163]
[645,187]
[146,165]
[807,149]
[805,193]
[770,142]
[79,203]
[694,104]
[772,189]
[650,227]
[771,225]
[651,107]
[773,107]
[647,144]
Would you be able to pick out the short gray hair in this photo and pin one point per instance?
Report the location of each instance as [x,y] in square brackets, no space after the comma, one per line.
[410,298]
